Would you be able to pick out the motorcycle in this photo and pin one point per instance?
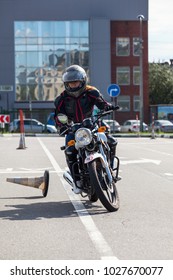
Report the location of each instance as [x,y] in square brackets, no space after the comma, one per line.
[98,179]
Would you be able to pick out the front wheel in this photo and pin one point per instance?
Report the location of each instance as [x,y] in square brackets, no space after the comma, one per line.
[106,192]
[93,197]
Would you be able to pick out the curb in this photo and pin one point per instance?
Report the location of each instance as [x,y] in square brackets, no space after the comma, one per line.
[29,135]
[114,135]
[141,136]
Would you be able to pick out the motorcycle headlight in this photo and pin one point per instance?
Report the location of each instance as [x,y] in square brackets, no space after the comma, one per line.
[83,136]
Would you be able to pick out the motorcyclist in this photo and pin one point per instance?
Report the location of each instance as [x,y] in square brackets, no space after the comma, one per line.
[77,102]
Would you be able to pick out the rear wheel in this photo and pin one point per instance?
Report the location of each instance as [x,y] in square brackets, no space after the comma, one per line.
[106,192]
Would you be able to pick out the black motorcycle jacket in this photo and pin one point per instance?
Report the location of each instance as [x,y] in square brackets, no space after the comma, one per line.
[79,108]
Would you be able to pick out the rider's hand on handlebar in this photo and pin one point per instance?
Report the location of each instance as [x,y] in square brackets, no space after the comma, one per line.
[111,107]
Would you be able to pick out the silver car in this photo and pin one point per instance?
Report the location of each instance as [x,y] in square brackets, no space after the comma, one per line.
[162,126]
[133,126]
[31,126]
[114,126]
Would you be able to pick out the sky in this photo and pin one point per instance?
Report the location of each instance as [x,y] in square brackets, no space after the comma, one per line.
[160,30]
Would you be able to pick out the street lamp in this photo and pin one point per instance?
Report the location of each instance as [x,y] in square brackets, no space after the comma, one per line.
[141,18]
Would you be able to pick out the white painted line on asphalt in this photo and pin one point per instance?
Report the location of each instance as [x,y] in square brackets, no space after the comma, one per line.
[142,160]
[6,170]
[159,152]
[168,174]
[36,169]
[26,172]
[95,235]
[50,156]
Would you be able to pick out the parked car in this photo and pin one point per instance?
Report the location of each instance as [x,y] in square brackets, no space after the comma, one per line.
[162,126]
[50,119]
[114,126]
[133,126]
[31,125]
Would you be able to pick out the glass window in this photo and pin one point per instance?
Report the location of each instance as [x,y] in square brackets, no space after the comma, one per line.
[136,75]
[20,59]
[74,29]
[83,28]
[21,94]
[32,59]
[46,29]
[47,41]
[136,103]
[43,49]
[19,30]
[136,46]
[20,41]
[59,41]
[20,48]
[21,75]
[122,46]
[124,102]
[84,43]
[27,122]
[32,48]
[31,29]
[31,41]
[74,41]
[60,29]
[123,75]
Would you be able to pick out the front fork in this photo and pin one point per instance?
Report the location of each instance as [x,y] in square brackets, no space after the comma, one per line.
[92,156]
[116,169]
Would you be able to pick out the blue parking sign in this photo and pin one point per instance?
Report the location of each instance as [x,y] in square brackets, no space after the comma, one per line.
[113,90]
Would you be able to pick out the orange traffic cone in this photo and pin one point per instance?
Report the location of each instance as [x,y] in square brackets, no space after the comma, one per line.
[37,182]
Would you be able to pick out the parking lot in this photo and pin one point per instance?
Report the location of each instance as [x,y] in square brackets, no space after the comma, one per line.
[53,228]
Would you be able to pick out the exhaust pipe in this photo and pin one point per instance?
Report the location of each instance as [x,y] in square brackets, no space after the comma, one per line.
[67,176]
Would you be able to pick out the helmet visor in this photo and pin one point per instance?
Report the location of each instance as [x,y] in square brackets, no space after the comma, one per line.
[72,76]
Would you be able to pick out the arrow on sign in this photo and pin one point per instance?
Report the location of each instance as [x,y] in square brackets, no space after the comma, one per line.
[4,118]
[113,90]
[143,160]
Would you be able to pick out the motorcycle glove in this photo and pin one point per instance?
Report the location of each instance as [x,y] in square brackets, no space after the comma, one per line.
[109,107]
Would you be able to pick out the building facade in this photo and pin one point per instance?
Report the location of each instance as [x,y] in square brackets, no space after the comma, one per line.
[39,39]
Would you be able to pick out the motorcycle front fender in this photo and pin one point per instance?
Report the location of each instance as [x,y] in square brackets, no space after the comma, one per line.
[93,156]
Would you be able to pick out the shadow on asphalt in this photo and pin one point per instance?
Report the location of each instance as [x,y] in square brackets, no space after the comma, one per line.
[47,210]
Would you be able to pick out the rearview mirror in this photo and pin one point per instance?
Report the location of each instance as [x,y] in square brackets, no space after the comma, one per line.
[62,118]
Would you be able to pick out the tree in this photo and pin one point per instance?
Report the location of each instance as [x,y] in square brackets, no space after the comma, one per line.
[160,84]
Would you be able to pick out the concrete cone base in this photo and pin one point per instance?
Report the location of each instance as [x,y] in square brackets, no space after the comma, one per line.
[22,142]
[153,136]
[46,183]
[41,183]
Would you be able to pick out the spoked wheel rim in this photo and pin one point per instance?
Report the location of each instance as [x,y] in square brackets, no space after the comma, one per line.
[106,192]
[107,188]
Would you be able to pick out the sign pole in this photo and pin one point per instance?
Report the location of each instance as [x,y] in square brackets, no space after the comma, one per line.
[141,17]
[113,90]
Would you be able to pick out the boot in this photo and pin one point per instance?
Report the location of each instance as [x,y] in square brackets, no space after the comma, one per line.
[77,187]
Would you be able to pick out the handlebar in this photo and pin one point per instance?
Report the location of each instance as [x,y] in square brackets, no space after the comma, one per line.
[103,112]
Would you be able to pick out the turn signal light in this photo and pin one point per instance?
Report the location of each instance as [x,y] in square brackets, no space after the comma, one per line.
[102,129]
[71,143]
